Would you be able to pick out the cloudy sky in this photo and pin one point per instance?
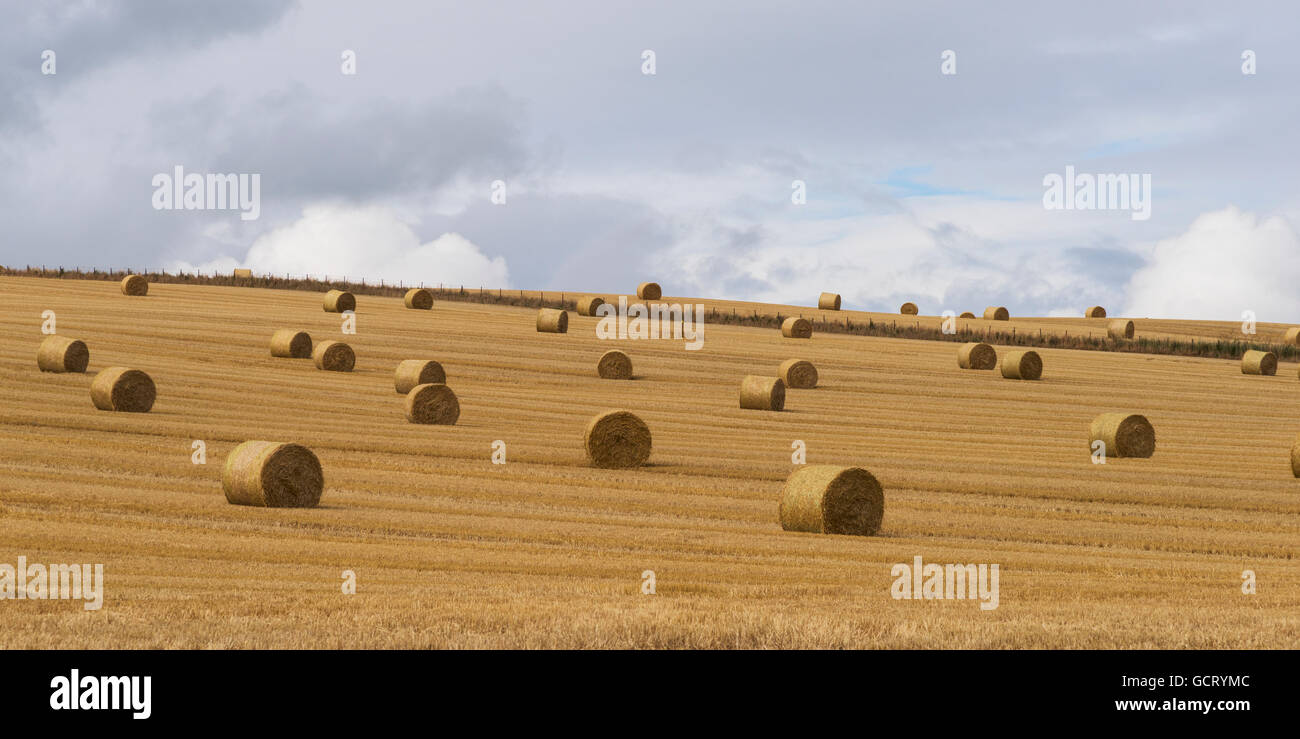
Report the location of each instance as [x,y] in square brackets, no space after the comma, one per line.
[920,185]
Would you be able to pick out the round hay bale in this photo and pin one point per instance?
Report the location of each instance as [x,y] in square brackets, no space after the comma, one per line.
[649,291]
[1095,311]
[829,301]
[614,365]
[242,274]
[433,403]
[59,354]
[825,499]
[552,321]
[334,356]
[135,286]
[123,389]
[616,440]
[798,373]
[587,305]
[1292,336]
[762,393]
[1295,457]
[966,314]
[1258,363]
[412,372]
[909,309]
[977,356]
[1023,365]
[796,328]
[1119,329]
[417,298]
[288,342]
[337,301]
[996,313]
[272,474]
[1124,434]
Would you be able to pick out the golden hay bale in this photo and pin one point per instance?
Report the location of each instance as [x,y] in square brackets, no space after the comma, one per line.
[1295,457]
[412,372]
[123,389]
[334,356]
[1095,311]
[909,309]
[418,298]
[1120,328]
[614,365]
[996,313]
[1258,363]
[59,354]
[825,499]
[649,291]
[1292,336]
[616,440]
[432,403]
[272,474]
[796,328]
[587,305]
[242,273]
[337,301]
[829,301]
[1023,365]
[762,393]
[288,342]
[977,356]
[552,321]
[1124,434]
[797,373]
[966,314]
[135,286]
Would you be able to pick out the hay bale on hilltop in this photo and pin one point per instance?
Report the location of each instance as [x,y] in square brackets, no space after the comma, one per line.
[124,390]
[291,343]
[242,274]
[412,372]
[977,356]
[588,304]
[796,328]
[826,499]
[337,301]
[135,286]
[334,356]
[829,301]
[798,373]
[617,440]
[272,474]
[966,314]
[1120,329]
[909,309]
[614,365]
[433,403]
[1292,336]
[552,321]
[60,354]
[1258,363]
[418,298]
[762,393]
[1124,434]
[996,313]
[649,291]
[1095,311]
[1022,365]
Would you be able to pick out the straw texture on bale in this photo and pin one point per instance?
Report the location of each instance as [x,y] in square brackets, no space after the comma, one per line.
[1095,311]
[796,328]
[1292,336]
[614,365]
[587,305]
[412,372]
[1124,434]
[762,393]
[417,298]
[123,389]
[649,291]
[966,314]
[272,474]
[1120,329]
[433,403]
[977,356]
[60,354]
[997,313]
[243,273]
[135,286]
[798,373]
[1258,363]
[334,356]
[1295,457]
[288,342]
[617,440]
[552,321]
[829,301]
[825,499]
[1022,365]
[337,301]
[909,309]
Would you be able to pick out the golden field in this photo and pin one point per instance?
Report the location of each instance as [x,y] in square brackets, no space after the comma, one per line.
[450,550]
